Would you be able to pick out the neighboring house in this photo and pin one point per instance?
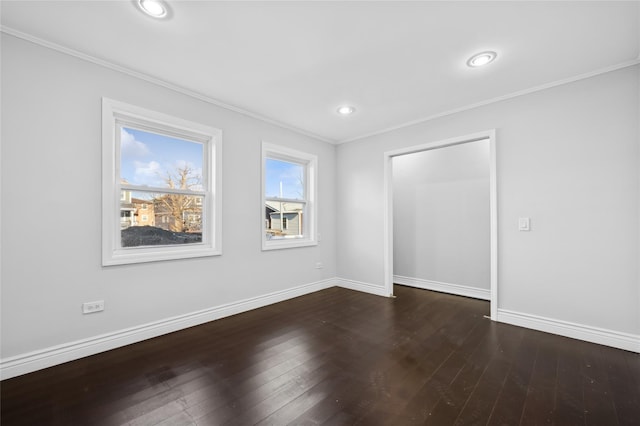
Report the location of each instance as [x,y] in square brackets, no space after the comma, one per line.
[192,222]
[127,210]
[134,211]
[144,212]
[287,222]
[188,219]
[268,210]
[163,217]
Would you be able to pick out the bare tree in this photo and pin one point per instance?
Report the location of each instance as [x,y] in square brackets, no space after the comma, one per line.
[179,206]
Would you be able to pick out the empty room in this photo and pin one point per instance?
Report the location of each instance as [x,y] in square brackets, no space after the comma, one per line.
[319,212]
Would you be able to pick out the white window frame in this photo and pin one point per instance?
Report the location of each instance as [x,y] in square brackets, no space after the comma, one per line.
[309,224]
[116,114]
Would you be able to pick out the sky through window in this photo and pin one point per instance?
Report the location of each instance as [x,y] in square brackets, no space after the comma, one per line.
[146,158]
[289,176]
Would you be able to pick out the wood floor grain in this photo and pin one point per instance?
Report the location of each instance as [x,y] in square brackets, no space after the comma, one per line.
[339,357]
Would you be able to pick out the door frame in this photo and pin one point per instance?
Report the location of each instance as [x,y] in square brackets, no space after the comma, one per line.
[493,201]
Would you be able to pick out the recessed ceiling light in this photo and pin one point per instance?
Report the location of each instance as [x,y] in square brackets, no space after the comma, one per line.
[154,8]
[481,59]
[346,110]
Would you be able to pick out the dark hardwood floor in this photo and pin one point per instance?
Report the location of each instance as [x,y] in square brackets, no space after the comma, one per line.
[339,357]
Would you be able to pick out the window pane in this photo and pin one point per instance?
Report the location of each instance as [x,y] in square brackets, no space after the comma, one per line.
[284,220]
[284,180]
[151,219]
[151,159]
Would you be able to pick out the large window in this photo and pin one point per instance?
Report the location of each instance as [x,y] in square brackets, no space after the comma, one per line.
[161,186]
[288,198]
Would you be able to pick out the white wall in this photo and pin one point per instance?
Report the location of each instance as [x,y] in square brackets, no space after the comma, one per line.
[568,157]
[441,223]
[51,208]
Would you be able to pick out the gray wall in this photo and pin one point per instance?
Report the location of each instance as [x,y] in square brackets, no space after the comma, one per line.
[568,157]
[51,208]
[441,224]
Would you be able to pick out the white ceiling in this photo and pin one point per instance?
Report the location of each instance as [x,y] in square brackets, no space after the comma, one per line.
[296,62]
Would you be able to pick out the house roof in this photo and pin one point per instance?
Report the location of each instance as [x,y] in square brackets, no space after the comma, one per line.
[273,209]
[141,201]
[274,206]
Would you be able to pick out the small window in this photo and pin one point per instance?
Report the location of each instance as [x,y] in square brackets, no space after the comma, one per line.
[168,167]
[288,198]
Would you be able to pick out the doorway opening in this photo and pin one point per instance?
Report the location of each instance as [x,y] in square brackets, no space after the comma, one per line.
[489,137]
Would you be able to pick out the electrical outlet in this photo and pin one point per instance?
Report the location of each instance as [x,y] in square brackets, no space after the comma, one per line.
[319,265]
[91,307]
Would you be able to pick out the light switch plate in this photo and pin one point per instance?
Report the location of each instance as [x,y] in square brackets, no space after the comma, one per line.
[524,224]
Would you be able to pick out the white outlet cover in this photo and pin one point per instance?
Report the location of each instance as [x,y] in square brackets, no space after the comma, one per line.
[91,307]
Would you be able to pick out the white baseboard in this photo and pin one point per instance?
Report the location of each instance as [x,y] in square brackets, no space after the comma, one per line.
[601,336]
[361,286]
[48,357]
[460,290]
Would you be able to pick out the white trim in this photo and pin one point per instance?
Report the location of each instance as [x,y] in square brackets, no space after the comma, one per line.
[202,97]
[154,80]
[493,202]
[601,336]
[493,218]
[497,99]
[363,287]
[116,114]
[457,140]
[457,289]
[48,357]
[310,214]
[387,224]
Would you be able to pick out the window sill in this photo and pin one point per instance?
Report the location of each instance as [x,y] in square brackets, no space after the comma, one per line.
[124,257]
[285,244]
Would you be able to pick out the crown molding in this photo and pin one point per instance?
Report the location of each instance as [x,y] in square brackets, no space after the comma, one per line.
[212,101]
[498,99]
[157,81]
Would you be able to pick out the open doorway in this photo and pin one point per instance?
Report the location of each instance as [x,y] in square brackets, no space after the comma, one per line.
[427,172]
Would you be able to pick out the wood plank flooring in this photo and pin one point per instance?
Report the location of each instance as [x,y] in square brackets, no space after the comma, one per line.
[339,357]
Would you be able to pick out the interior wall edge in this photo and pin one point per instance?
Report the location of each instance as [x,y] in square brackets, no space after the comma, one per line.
[362,286]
